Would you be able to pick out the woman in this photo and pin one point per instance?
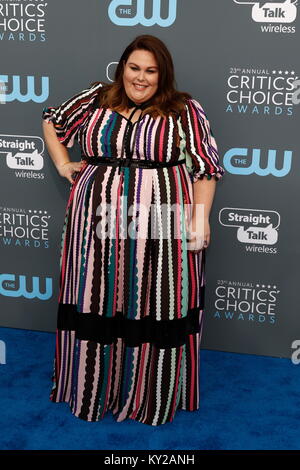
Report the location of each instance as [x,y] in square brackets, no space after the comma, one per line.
[132,281]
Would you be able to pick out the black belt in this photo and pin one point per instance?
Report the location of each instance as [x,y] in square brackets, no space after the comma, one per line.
[130,162]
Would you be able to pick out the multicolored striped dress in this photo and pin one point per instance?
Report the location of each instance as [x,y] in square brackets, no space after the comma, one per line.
[130,308]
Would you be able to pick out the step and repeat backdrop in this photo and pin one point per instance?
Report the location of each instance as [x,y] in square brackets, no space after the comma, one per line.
[241,61]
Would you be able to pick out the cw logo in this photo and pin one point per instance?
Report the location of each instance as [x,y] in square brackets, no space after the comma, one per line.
[30,94]
[237,155]
[8,288]
[117,13]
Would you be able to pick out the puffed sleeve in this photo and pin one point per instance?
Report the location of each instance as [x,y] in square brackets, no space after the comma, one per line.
[70,115]
[201,147]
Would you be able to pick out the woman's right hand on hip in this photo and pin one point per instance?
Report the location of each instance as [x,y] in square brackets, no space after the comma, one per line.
[69,169]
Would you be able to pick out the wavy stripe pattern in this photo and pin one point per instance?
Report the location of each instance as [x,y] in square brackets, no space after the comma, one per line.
[123,283]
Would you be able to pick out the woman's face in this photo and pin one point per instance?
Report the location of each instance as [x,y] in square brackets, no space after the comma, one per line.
[140,76]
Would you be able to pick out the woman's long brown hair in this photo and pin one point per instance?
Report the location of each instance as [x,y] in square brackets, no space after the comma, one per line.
[166,100]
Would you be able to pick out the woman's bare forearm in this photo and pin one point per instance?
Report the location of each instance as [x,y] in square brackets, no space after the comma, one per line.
[57,151]
[204,192]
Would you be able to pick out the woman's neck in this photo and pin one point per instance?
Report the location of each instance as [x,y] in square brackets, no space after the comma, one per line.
[132,104]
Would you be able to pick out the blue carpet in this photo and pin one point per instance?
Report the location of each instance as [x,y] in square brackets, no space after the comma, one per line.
[247,402]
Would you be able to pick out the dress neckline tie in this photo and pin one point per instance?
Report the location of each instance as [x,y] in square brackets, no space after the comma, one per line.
[143,105]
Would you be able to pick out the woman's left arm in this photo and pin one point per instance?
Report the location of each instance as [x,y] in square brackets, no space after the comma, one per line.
[204,167]
[204,192]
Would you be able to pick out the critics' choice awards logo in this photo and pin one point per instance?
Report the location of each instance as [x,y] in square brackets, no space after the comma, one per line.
[23,20]
[260,91]
[278,14]
[27,228]
[134,12]
[23,155]
[28,85]
[110,70]
[244,161]
[256,229]
[13,285]
[246,301]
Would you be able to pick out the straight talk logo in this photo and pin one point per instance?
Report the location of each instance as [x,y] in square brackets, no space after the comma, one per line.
[256,229]
[276,13]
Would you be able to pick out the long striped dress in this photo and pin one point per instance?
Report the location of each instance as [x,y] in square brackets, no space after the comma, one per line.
[130,308]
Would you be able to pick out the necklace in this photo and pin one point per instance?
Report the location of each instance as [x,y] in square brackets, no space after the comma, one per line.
[132,104]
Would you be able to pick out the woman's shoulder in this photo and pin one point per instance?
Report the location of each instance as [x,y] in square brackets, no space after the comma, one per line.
[87,95]
[94,89]
[97,85]
[190,107]
[194,109]
[191,101]
[83,96]
[91,90]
